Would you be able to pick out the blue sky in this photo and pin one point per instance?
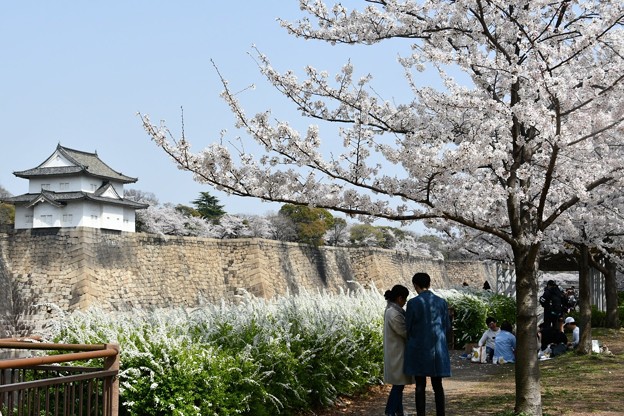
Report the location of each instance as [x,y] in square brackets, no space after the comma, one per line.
[78,72]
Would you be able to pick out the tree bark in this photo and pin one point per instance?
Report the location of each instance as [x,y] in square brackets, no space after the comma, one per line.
[611,289]
[528,390]
[585,340]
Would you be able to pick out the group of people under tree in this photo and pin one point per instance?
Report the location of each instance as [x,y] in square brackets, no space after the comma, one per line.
[551,333]
[500,342]
[415,345]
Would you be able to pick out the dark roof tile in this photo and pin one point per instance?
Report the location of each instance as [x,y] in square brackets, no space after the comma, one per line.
[88,163]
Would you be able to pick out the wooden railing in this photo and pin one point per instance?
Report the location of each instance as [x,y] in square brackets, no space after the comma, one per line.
[38,385]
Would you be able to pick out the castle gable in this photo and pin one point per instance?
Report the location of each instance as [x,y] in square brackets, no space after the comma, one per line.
[57,160]
[107,191]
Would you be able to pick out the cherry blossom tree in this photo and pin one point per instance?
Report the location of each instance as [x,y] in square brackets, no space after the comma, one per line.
[257,226]
[338,233]
[166,219]
[534,133]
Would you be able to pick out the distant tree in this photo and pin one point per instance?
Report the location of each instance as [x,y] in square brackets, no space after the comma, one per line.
[231,226]
[338,234]
[3,192]
[141,196]
[7,214]
[391,235]
[412,244]
[311,223]
[258,226]
[167,220]
[435,244]
[7,211]
[188,211]
[208,206]
[282,228]
[366,235]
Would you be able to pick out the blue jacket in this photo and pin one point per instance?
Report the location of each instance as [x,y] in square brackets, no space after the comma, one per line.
[427,322]
[505,347]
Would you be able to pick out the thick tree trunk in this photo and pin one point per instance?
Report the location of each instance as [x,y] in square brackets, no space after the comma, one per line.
[585,340]
[613,318]
[528,391]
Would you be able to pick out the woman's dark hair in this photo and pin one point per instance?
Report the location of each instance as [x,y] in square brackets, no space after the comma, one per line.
[397,290]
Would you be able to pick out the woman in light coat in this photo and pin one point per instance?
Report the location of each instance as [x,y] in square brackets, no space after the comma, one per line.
[394,338]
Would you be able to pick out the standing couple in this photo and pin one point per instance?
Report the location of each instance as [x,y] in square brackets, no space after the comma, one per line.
[415,345]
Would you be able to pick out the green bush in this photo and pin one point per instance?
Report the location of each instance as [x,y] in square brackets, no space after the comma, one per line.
[599,318]
[503,308]
[470,309]
[469,313]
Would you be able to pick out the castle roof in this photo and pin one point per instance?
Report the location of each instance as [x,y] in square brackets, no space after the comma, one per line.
[74,162]
[62,198]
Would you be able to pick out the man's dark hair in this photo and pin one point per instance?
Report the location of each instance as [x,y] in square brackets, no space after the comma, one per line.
[490,319]
[506,326]
[422,280]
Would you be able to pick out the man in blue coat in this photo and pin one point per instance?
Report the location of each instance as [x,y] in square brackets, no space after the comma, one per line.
[426,353]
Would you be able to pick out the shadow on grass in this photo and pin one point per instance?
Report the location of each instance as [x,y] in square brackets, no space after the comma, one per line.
[571,384]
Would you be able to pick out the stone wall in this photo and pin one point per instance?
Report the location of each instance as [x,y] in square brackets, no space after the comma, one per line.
[76,268]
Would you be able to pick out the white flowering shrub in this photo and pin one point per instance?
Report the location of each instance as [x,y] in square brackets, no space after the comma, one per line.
[257,357]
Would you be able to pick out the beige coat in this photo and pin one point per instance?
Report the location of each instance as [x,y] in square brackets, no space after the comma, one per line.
[394,337]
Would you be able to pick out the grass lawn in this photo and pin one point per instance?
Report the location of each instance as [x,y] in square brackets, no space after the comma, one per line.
[571,384]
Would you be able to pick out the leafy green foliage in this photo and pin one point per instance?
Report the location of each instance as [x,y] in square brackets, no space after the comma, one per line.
[471,309]
[311,223]
[208,206]
[188,211]
[7,214]
[501,307]
[469,313]
[367,235]
[598,317]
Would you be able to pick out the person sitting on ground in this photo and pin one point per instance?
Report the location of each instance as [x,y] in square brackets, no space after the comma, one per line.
[576,332]
[505,345]
[554,339]
[489,336]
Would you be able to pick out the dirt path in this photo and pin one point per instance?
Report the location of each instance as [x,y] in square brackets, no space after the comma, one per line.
[467,378]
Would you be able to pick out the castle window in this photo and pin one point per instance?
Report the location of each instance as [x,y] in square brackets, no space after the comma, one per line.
[68,218]
[46,220]
[63,186]
[45,186]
